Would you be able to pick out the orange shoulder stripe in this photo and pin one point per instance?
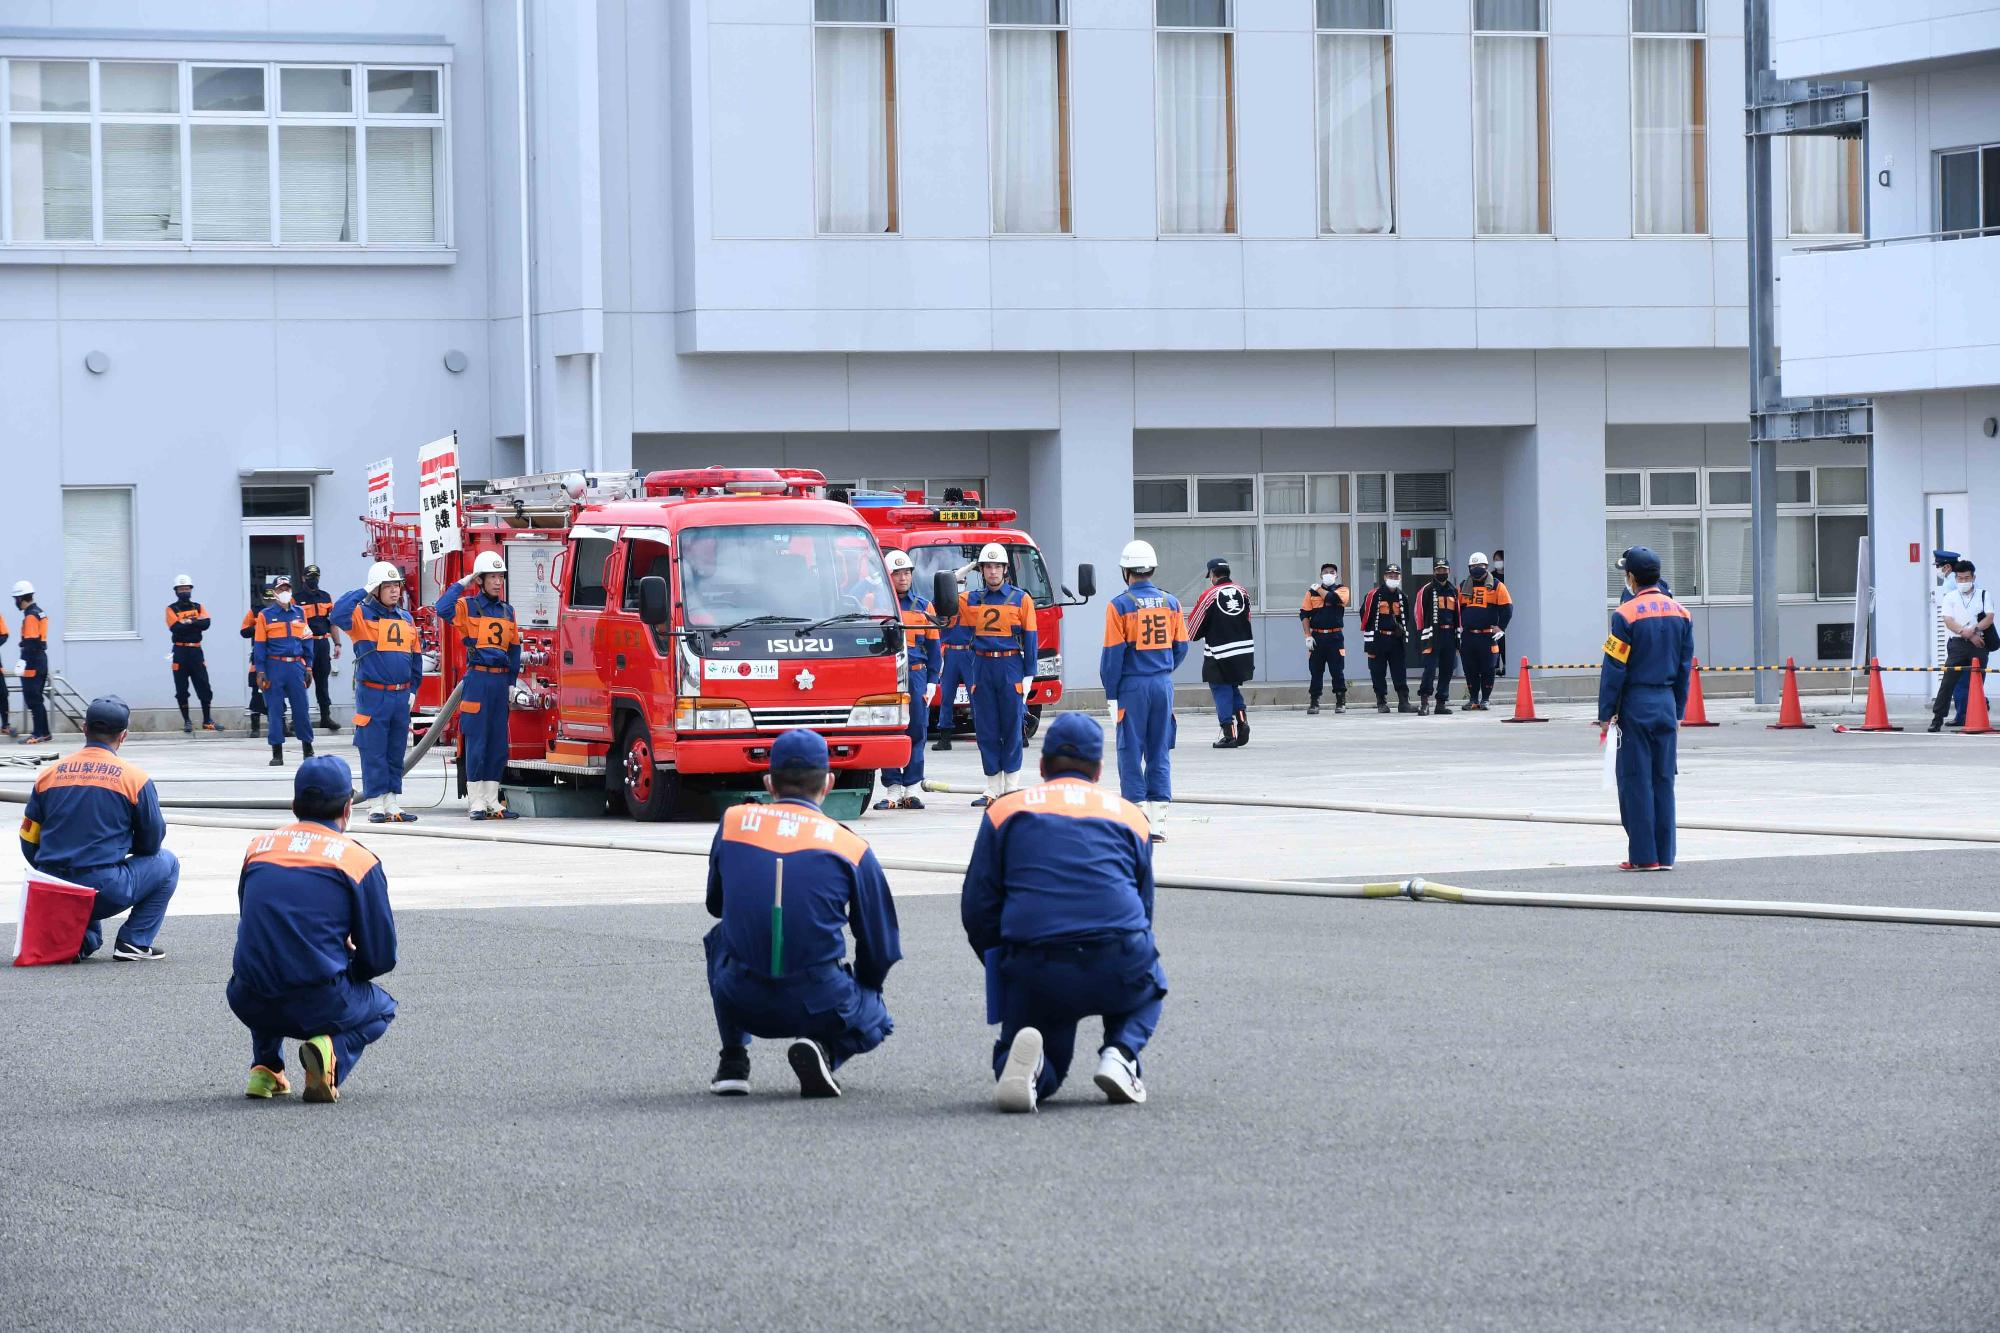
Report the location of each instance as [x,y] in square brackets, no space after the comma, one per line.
[1070,798]
[786,829]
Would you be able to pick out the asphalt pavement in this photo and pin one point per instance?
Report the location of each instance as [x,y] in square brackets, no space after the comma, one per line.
[1363,1115]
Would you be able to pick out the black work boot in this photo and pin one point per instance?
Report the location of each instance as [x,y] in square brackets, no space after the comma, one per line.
[1403,704]
[1423,705]
[277,756]
[1381,703]
[941,744]
[1242,728]
[187,723]
[308,748]
[327,724]
[1228,741]
[1340,703]
[1312,708]
[1442,708]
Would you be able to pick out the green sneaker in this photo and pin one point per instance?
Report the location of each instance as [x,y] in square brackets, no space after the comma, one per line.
[266,1083]
[316,1054]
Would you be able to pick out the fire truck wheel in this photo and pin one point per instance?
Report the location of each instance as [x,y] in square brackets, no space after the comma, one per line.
[1031,722]
[649,793]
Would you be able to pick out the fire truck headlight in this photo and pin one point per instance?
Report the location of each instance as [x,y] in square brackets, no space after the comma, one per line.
[1048,664]
[712,715]
[881,710]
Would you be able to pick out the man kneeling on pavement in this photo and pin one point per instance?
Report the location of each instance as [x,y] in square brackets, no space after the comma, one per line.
[1058,904]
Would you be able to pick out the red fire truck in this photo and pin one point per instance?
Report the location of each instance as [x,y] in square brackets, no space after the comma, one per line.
[673,623]
[945,535]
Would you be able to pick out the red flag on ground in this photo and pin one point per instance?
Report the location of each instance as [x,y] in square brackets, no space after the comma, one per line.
[54,915]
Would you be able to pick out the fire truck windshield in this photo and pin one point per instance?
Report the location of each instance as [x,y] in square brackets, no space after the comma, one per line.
[1024,567]
[779,573]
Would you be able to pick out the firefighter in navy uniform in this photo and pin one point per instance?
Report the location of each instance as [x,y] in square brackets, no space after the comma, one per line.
[317,604]
[34,662]
[249,631]
[1484,610]
[1435,620]
[281,652]
[1058,905]
[1002,622]
[1643,687]
[920,646]
[1145,638]
[187,621]
[787,884]
[1385,637]
[1323,614]
[492,637]
[313,931]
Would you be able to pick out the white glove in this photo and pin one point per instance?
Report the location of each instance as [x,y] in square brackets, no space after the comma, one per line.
[1111,709]
[930,696]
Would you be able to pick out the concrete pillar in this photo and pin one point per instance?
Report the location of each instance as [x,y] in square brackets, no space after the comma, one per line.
[1080,492]
[1553,485]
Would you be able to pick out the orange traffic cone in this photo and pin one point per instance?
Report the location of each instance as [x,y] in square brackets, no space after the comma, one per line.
[1977,723]
[1524,699]
[1877,718]
[1790,716]
[1697,711]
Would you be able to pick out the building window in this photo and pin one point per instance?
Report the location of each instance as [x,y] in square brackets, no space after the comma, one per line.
[1196,92]
[223,155]
[98,550]
[1699,522]
[277,502]
[932,488]
[1669,119]
[1028,122]
[1510,96]
[1968,192]
[1357,135]
[1826,178]
[854,48]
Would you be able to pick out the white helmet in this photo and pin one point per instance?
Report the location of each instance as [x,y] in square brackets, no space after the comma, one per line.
[379,573]
[24,589]
[897,561]
[1138,555]
[489,562]
[1479,558]
[992,554]
[183,580]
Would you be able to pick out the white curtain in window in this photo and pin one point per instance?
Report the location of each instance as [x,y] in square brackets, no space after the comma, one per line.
[1194,132]
[1355,187]
[232,183]
[1666,138]
[97,562]
[852,129]
[51,176]
[402,186]
[1507,135]
[1825,197]
[1026,131]
[316,189]
[142,182]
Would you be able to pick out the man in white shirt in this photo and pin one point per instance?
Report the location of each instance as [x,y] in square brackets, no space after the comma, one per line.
[1967,612]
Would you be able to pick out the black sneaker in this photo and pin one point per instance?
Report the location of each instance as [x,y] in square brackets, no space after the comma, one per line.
[136,953]
[940,746]
[1937,724]
[1381,705]
[809,1062]
[1312,709]
[732,1073]
[1423,708]
[1340,704]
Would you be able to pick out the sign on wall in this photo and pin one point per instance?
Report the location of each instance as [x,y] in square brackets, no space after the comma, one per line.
[437,497]
[382,488]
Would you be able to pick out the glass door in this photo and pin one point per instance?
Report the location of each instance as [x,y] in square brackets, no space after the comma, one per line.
[270,547]
[1420,545]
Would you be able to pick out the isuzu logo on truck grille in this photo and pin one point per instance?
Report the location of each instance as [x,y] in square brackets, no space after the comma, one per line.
[799,645]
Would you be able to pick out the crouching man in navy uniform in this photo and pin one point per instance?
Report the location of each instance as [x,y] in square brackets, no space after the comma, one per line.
[1643,687]
[1058,903]
[94,819]
[785,879]
[314,932]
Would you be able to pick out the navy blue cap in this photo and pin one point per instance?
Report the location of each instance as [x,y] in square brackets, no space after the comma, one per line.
[799,748]
[1217,562]
[1640,562]
[324,775]
[1075,735]
[109,713]
[1941,556]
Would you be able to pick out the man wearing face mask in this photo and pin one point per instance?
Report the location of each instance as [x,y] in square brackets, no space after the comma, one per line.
[1435,615]
[281,651]
[317,604]
[1323,613]
[1484,609]
[1967,611]
[249,631]
[1385,638]
[187,621]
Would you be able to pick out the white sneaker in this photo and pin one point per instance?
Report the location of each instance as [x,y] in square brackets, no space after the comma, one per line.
[1119,1078]
[1016,1088]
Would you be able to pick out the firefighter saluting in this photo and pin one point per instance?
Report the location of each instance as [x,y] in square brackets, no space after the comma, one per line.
[187,621]
[486,625]
[1002,620]
[388,667]
[920,644]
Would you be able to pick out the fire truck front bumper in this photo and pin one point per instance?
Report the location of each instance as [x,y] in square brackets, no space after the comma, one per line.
[752,754]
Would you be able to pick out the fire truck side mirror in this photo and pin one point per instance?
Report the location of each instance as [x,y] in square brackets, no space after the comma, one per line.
[653,600]
[1086,581]
[944,594]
